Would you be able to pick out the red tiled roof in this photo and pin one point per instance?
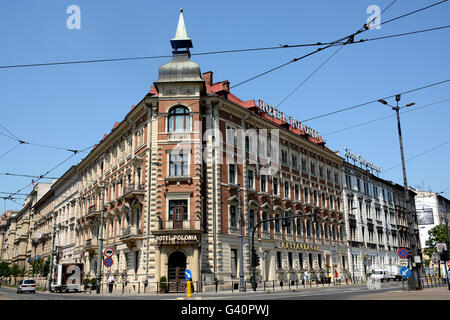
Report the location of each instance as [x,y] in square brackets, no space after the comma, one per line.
[116,124]
[153,91]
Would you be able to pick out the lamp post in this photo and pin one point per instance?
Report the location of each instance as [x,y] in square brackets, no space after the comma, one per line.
[241,244]
[413,281]
[100,242]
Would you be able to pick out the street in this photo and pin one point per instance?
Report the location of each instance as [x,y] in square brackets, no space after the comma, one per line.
[318,293]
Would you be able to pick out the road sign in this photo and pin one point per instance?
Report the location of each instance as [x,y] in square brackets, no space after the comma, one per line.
[441,247]
[405,272]
[404,263]
[403,253]
[187,274]
[108,262]
[108,252]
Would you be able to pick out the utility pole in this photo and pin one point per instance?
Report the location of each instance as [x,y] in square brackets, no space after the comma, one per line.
[413,280]
[241,244]
[100,242]
[51,253]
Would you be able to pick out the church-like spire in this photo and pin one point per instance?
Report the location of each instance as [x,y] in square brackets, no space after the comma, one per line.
[181,39]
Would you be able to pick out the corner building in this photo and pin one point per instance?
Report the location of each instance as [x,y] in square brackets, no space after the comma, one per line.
[190,169]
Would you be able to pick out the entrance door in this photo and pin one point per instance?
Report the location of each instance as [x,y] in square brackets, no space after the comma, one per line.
[178,218]
[177,267]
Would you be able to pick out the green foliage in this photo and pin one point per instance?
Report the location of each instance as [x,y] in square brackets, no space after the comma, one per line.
[37,266]
[94,281]
[46,267]
[15,270]
[163,282]
[86,281]
[438,234]
[5,269]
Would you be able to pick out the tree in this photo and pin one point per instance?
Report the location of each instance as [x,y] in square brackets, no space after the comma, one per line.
[437,234]
[37,266]
[5,270]
[46,267]
[15,271]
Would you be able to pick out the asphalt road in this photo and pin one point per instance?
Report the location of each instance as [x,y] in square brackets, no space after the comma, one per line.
[320,293]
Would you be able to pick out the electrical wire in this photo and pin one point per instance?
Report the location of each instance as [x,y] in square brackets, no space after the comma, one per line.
[382,118]
[9,150]
[310,76]
[419,155]
[373,101]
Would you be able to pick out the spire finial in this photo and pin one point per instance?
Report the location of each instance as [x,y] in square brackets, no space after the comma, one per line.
[181,39]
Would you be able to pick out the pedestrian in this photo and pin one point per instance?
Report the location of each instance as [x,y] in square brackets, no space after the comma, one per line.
[111,281]
[306,277]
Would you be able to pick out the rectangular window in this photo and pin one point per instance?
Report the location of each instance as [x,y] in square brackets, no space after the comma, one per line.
[232,173]
[265,224]
[286,189]
[375,192]
[136,262]
[304,166]
[310,259]
[277,224]
[300,260]
[348,181]
[297,192]
[294,161]
[179,207]
[233,258]
[313,168]
[320,171]
[233,216]
[299,228]
[250,179]
[306,195]
[336,178]
[284,157]
[358,185]
[290,259]
[275,186]
[178,165]
[251,220]
[316,199]
[263,182]
[279,266]
[319,258]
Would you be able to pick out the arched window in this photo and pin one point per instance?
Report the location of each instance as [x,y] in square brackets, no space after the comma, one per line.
[178,119]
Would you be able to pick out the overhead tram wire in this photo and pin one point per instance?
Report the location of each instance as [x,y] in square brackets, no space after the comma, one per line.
[9,150]
[373,101]
[58,165]
[216,52]
[385,117]
[419,155]
[330,57]
[349,39]
[35,144]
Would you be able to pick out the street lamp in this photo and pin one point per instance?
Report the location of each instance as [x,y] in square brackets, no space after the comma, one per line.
[413,281]
[101,188]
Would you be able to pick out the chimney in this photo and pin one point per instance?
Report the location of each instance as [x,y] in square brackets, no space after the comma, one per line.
[208,77]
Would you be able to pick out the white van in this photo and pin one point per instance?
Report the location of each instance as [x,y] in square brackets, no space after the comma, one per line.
[380,275]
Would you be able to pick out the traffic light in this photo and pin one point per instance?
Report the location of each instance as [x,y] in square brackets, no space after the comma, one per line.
[255,259]
[444,255]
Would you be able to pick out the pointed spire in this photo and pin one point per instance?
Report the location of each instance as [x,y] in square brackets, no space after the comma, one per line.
[181,39]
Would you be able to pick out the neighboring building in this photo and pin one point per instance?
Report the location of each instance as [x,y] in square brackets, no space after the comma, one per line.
[375,220]
[65,197]
[19,239]
[432,210]
[5,223]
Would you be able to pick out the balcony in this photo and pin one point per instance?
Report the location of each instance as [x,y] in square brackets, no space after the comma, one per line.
[134,191]
[91,246]
[130,235]
[93,213]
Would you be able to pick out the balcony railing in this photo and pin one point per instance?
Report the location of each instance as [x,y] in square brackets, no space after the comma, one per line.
[133,190]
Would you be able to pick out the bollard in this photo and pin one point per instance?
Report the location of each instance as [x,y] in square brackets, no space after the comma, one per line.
[188,289]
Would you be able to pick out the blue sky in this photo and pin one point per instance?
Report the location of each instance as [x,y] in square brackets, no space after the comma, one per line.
[73,106]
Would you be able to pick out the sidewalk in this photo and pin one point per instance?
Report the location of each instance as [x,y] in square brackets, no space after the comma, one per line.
[426,294]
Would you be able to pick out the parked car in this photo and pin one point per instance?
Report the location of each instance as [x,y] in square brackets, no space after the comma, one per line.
[26,285]
[380,275]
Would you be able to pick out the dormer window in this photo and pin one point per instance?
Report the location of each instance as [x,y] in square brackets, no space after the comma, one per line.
[178,119]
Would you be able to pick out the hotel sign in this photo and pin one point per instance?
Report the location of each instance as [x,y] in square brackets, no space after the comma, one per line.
[299,246]
[361,160]
[177,238]
[275,113]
